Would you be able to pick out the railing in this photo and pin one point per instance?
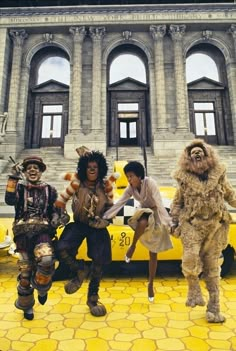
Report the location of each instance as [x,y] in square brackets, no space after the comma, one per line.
[145,158]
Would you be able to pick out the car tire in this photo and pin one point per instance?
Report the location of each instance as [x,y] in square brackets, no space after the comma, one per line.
[228,255]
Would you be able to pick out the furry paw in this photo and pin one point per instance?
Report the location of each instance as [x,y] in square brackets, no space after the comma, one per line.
[195,301]
[214,317]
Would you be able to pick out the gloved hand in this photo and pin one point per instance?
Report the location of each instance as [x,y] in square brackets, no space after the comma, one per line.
[17,170]
[65,218]
[59,218]
[98,222]
[175,230]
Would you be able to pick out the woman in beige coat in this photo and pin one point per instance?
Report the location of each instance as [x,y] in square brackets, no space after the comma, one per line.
[150,222]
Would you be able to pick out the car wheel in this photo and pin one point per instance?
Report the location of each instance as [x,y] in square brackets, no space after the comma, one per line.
[228,260]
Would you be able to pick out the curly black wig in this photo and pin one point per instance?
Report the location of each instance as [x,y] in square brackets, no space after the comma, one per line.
[93,156]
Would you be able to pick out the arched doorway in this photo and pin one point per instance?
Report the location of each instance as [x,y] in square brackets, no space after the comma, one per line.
[209,107]
[128,98]
[48,99]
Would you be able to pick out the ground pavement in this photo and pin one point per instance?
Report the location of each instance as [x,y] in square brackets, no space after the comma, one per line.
[131,324]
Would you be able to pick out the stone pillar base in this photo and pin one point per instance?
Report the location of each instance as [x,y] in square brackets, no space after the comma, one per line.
[169,144]
[3,164]
[11,146]
[94,141]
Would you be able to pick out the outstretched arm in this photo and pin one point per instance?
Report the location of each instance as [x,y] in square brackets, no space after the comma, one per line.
[119,204]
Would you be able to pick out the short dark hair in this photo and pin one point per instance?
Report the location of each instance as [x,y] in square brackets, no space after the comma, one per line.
[135,167]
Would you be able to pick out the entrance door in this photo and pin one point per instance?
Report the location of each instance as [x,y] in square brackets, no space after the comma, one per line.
[128,117]
[51,131]
[204,120]
[128,132]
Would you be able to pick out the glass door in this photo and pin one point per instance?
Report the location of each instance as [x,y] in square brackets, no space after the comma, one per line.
[51,131]
[204,120]
[128,116]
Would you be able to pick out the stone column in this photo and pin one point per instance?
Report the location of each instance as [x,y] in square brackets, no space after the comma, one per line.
[22,105]
[177,33]
[18,37]
[231,75]
[96,34]
[78,34]
[158,33]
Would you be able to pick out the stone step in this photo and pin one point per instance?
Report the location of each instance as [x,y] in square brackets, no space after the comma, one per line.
[158,168]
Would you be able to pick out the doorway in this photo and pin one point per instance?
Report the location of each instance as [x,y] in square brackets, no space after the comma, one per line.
[204,121]
[51,130]
[128,114]
[128,117]
[47,119]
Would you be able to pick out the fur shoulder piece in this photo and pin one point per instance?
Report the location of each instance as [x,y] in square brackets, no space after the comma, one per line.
[69,191]
[75,184]
[185,177]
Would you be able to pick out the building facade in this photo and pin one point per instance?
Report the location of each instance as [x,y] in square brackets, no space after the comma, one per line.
[164,113]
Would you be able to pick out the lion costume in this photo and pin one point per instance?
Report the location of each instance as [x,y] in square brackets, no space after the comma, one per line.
[202,221]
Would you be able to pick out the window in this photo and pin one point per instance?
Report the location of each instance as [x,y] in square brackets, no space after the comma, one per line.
[56,68]
[127,65]
[204,116]
[51,121]
[201,65]
[128,110]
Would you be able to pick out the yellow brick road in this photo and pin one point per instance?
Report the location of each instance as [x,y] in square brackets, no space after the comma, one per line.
[132,323]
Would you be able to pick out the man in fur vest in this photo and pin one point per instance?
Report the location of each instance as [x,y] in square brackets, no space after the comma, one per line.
[202,221]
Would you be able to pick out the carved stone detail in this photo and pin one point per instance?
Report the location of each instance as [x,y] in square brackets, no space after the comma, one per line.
[232,30]
[97,33]
[177,31]
[207,34]
[48,37]
[158,31]
[3,125]
[127,34]
[18,36]
[78,33]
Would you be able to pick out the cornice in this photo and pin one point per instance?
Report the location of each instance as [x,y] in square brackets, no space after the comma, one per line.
[113,9]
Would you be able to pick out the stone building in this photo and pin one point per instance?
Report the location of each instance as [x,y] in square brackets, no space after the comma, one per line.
[162,114]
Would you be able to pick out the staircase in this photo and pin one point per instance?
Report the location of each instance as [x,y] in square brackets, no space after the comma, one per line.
[158,168]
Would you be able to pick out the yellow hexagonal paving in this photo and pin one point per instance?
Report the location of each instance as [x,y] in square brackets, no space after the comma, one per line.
[131,324]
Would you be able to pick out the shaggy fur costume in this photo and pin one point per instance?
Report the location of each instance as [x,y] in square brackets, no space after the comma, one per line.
[202,223]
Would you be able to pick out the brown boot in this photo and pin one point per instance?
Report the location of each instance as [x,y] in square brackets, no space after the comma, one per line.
[74,284]
[97,309]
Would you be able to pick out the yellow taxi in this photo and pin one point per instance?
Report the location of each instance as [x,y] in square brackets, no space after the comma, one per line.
[5,237]
[121,234]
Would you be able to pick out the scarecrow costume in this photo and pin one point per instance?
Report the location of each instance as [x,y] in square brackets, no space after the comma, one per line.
[89,202]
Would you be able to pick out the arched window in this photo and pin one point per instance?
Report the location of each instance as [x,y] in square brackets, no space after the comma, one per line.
[201,65]
[208,103]
[55,67]
[127,65]
[128,111]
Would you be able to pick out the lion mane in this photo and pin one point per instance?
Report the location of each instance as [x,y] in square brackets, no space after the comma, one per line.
[211,159]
